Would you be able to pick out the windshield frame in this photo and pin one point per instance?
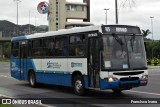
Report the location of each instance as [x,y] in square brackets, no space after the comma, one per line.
[128,60]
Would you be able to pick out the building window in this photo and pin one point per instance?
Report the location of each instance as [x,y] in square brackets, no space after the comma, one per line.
[80,8]
[75,8]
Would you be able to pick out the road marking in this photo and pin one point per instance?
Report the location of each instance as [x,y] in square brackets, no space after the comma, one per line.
[144,92]
[5,76]
[6,96]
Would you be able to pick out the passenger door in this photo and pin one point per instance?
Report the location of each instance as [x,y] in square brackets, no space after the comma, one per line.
[23,61]
[94,62]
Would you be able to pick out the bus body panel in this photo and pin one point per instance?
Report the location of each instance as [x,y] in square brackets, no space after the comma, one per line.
[15,68]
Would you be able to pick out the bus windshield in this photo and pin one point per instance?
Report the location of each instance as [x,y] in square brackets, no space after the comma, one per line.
[123,52]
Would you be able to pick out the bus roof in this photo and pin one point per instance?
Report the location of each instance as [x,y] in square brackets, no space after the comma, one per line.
[59,32]
[78,30]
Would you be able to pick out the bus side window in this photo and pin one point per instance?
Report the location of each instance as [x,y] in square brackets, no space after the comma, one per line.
[15,48]
[61,46]
[48,47]
[29,48]
[37,48]
[77,45]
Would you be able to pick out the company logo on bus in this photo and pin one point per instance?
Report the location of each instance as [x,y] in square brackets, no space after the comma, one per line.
[76,64]
[51,64]
[92,34]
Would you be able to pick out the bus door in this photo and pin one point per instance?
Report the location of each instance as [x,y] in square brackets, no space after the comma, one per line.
[23,61]
[94,62]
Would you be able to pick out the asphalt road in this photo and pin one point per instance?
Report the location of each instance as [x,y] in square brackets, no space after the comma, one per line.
[64,96]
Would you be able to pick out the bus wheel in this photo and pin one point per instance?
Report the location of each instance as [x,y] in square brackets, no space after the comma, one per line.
[32,79]
[78,85]
[117,90]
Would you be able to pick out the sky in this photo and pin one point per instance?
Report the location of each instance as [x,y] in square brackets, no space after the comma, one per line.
[131,12]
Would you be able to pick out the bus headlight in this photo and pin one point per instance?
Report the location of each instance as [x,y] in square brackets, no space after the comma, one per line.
[110,79]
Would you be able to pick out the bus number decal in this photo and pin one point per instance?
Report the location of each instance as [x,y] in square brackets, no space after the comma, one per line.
[118,29]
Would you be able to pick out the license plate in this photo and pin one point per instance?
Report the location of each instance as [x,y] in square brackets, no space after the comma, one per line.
[143,81]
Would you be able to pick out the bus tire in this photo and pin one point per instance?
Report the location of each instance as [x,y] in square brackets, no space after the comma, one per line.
[32,79]
[78,85]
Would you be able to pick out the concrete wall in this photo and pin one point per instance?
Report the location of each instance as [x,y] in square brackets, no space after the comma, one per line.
[0,34]
[58,14]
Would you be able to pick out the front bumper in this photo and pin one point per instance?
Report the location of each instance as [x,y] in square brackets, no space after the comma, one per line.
[125,85]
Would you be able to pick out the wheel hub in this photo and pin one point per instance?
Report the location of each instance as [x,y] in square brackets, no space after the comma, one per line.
[78,85]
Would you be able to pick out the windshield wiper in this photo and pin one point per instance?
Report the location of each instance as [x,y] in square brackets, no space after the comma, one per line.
[119,40]
[132,41]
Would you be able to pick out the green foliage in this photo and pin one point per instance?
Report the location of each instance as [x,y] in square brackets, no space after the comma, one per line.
[152,49]
[6,105]
[6,48]
[145,33]
[153,61]
[4,60]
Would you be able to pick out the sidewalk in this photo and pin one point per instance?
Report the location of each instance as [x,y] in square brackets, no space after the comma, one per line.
[153,67]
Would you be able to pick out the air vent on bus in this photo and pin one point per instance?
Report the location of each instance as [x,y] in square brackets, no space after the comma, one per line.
[129,79]
[128,73]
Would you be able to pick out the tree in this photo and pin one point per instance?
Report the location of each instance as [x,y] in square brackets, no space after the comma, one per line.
[145,33]
[6,48]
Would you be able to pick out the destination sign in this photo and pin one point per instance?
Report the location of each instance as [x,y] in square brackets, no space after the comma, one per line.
[120,29]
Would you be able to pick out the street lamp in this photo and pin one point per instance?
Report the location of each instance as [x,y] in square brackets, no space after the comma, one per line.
[152,32]
[152,25]
[17,2]
[106,14]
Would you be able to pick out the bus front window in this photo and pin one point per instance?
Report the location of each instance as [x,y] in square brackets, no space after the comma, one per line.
[122,52]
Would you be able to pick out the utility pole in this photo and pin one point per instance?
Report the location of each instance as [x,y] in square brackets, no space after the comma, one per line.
[35,24]
[29,24]
[152,25]
[17,2]
[116,11]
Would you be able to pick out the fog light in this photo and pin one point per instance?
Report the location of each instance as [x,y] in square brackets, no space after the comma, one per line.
[110,79]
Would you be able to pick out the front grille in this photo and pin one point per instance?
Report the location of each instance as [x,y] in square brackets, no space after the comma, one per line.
[128,73]
[129,79]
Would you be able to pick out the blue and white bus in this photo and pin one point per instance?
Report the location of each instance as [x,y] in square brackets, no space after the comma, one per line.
[101,57]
